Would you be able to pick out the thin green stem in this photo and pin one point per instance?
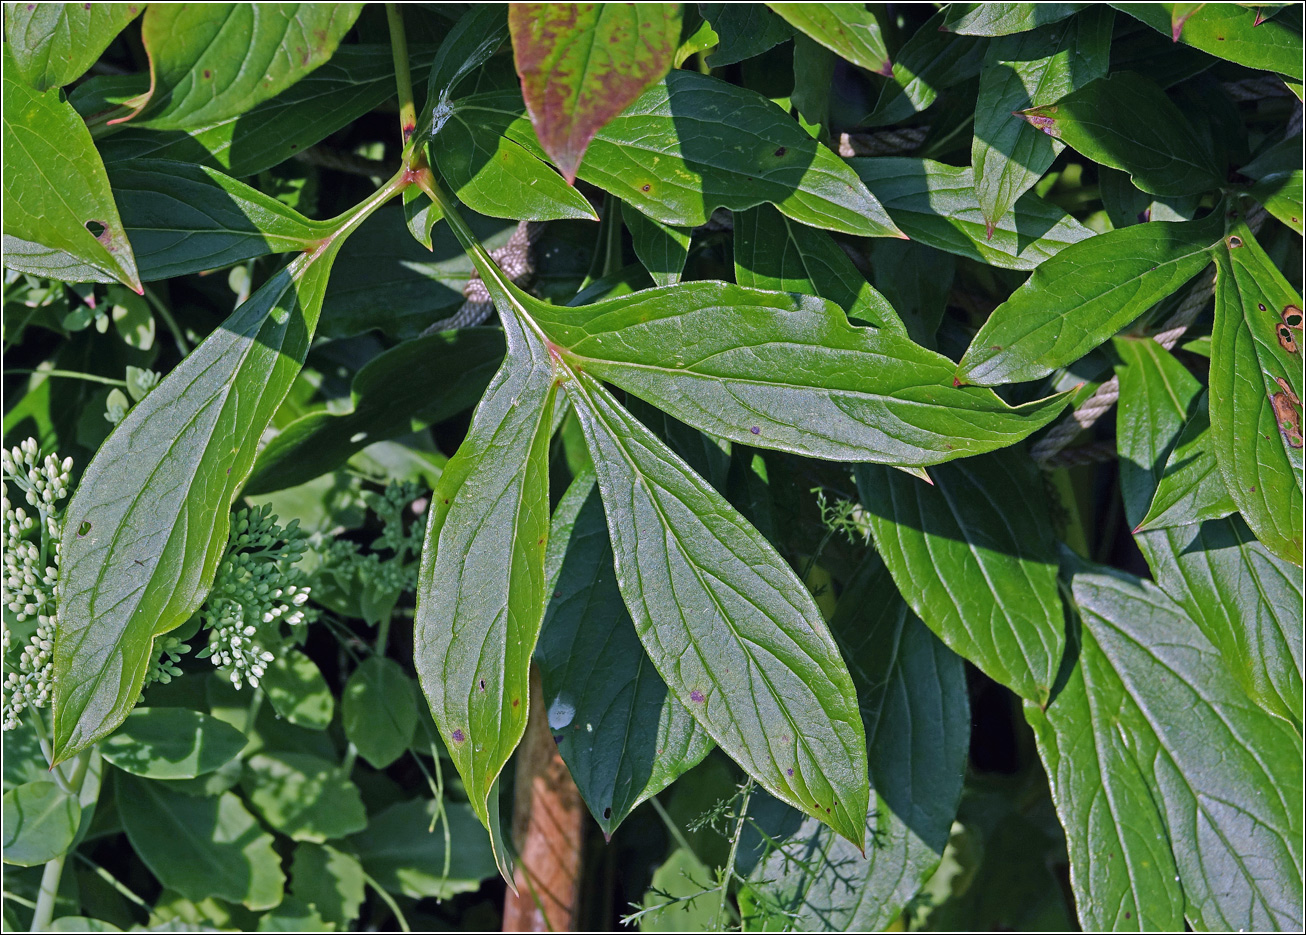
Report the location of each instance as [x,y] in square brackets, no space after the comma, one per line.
[672,827]
[389,901]
[43,914]
[382,635]
[728,873]
[403,79]
[169,322]
[43,738]
[351,757]
[113,881]
[251,713]
[73,375]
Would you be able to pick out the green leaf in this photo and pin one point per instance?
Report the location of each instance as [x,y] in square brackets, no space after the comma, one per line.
[693,143]
[782,371]
[621,734]
[379,710]
[1281,194]
[330,881]
[1004,19]
[849,30]
[917,719]
[182,218]
[1190,489]
[303,796]
[480,595]
[298,692]
[1127,122]
[975,557]
[473,39]
[172,743]
[497,176]
[1034,68]
[727,623]
[40,823]
[1231,803]
[1084,295]
[661,248]
[54,43]
[201,847]
[936,205]
[422,848]
[807,261]
[916,280]
[1256,391]
[582,64]
[744,30]
[928,62]
[213,61]
[422,381]
[356,81]
[293,916]
[148,523]
[56,194]
[1232,31]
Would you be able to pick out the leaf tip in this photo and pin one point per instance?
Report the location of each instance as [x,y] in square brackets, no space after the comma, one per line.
[886,69]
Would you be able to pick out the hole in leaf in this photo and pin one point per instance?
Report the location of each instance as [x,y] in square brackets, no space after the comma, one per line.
[83,529]
[97,229]
[1286,340]
[1235,241]
[1292,317]
[607,813]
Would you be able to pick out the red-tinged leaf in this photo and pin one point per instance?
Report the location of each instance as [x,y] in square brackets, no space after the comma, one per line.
[581,64]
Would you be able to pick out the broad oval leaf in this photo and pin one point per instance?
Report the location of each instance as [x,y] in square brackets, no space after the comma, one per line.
[56,194]
[1233,31]
[621,734]
[330,881]
[974,555]
[148,523]
[303,796]
[848,29]
[172,743]
[1127,122]
[936,205]
[201,846]
[297,691]
[581,63]
[744,30]
[40,823]
[1256,391]
[379,710]
[212,61]
[1084,295]
[404,849]
[54,43]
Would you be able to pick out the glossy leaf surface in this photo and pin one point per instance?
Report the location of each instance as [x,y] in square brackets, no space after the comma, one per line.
[661,248]
[744,30]
[1230,31]
[1004,19]
[54,43]
[1190,489]
[581,63]
[929,61]
[1083,296]
[623,736]
[847,29]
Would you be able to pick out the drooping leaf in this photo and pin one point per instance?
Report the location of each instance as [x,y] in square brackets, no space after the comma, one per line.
[623,736]
[303,796]
[807,261]
[1126,122]
[975,557]
[848,29]
[1004,19]
[727,623]
[56,194]
[1027,70]
[54,43]
[1256,391]
[330,881]
[1232,31]
[1230,804]
[744,30]
[40,823]
[479,32]
[201,846]
[148,523]
[213,61]
[928,62]
[1281,194]
[297,691]
[379,710]
[662,248]
[917,721]
[406,849]
[693,143]
[172,743]
[1084,295]
[1190,489]
[936,205]
[422,381]
[581,63]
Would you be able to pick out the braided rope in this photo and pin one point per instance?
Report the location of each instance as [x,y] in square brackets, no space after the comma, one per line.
[882,142]
[514,258]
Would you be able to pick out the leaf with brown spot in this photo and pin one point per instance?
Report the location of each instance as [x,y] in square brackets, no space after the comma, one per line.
[581,64]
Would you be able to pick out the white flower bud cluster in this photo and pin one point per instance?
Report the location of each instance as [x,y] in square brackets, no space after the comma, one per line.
[30,574]
[257,589]
[164,668]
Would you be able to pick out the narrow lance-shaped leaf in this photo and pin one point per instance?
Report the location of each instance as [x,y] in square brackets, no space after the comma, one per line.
[744,30]
[661,248]
[148,523]
[580,64]
[974,555]
[848,29]
[57,197]
[1234,31]
[1004,19]
[210,61]
[930,61]
[1084,295]
[623,736]
[1008,154]
[1256,391]
[54,43]
[1127,122]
